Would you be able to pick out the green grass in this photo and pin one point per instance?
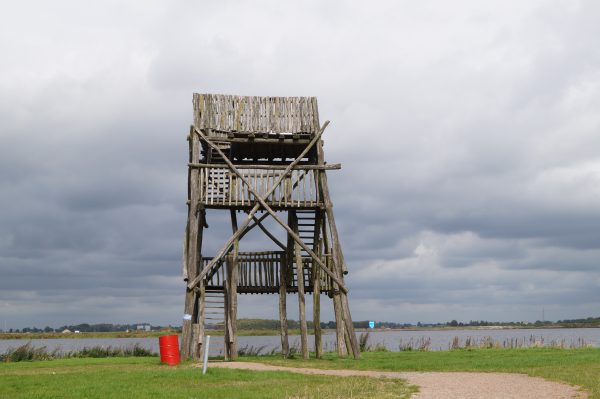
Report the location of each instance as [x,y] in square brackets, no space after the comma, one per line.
[134,378]
[146,378]
[573,366]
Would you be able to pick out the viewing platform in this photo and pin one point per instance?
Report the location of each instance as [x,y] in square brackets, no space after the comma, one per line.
[219,187]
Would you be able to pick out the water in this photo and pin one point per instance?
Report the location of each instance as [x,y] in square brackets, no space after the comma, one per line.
[439,340]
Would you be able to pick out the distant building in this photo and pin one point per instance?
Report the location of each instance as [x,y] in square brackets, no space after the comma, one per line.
[143,327]
[66,331]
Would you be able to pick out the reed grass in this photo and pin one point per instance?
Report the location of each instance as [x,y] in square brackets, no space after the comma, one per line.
[28,352]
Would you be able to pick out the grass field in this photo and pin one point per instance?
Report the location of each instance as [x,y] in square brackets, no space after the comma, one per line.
[135,378]
[146,378]
[573,366]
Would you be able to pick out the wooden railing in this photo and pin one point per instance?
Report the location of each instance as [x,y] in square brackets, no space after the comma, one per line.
[221,187]
[260,272]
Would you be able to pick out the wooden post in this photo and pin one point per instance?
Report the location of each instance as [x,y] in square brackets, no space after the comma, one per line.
[231,305]
[301,297]
[283,279]
[227,321]
[233,277]
[193,237]
[316,273]
[335,295]
[339,323]
[201,319]
[338,257]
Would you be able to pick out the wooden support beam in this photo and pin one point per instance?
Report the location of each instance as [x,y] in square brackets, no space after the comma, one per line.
[283,327]
[338,256]
[301,296]
[333,166]
[201,320]
[193,238]
[232,277]
[268,233]
[339,323]
[316,280]
[227,321]
[335,296]
[253,225]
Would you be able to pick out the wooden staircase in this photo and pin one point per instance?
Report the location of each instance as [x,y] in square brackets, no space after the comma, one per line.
[306,222]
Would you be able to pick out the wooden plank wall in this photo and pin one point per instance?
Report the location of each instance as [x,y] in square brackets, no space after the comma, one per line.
[226,113]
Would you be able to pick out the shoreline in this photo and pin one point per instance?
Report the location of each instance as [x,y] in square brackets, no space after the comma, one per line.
[156,334]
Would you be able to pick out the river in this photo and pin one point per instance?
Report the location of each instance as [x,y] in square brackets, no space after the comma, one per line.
[392,340]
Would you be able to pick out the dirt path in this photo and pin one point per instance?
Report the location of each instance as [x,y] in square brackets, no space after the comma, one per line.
[451,385]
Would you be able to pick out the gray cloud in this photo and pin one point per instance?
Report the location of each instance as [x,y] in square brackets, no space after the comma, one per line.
[475,197]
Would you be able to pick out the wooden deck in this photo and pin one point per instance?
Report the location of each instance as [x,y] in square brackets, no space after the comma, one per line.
[220,188]
[260,273]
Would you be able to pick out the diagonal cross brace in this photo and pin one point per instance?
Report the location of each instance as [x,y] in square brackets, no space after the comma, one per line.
[268,233]
[256,207]
[257,221]
[261,202]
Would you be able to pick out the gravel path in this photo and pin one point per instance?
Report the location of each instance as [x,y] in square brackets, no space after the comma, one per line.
[451,385]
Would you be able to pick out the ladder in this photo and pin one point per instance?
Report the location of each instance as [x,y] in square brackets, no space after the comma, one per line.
[214,310]
[306,222]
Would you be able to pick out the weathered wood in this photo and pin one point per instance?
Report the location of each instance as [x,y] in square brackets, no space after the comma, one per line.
[247,115]
[253,175]
[317,247]
[233,276]
[339,323]
[201,320]
[283,323]
[268,233]
[335,295]
[301,297]
[253,225]
[227,320]
[232,305]
[333,166]
[192,251]
[338,257]
[227,245]
[267,208]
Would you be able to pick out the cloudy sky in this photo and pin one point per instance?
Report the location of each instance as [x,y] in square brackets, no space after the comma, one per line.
[468,133]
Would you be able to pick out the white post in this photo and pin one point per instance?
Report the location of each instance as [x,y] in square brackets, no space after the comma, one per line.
[206,348]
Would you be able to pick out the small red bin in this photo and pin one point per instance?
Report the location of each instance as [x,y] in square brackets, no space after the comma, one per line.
[169,349]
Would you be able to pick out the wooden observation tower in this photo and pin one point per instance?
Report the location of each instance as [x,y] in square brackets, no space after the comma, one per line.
[260,157]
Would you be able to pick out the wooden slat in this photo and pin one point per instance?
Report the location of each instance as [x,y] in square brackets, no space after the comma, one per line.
[225,113]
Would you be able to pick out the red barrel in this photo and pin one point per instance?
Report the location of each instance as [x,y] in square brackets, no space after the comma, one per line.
[169,349]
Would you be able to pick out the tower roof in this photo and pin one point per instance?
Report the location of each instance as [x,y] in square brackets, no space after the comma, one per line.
[245,114]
